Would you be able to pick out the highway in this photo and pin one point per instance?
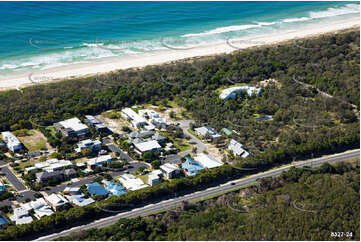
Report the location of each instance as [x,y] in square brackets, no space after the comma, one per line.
[151,208]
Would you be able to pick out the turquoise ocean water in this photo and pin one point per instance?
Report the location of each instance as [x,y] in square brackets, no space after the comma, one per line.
[41,35]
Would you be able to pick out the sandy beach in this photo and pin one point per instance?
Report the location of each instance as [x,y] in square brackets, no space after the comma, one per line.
[141,60]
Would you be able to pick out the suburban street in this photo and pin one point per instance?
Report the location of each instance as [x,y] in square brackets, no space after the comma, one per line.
[122,155]
[202,194]
[19,186]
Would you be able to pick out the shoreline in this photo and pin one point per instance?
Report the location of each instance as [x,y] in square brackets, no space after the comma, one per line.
[105,65]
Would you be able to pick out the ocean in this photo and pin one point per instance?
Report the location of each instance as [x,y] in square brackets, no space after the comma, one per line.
[43,35]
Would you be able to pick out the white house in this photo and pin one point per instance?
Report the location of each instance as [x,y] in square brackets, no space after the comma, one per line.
[79,200]
[207,161]
[72,127]
[99,161]
[57,202]
[148,146]
[21,216]
[94,145]
[131,182]
[11,141]
[154,118]
[237,149]
[232,92]
[155,177]
[136,120]
[50,165]
[170,170]
[41,208]
[205,130]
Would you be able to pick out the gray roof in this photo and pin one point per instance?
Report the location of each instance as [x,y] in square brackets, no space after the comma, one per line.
[158,137]
[45,174]
[136,134]
[70,171]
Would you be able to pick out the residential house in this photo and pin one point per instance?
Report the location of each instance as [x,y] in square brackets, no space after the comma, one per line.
[207,161]
[72,191]
[191,167]
[159,138]
[155,177]
[114,188]
[170,170]
[207,131]
[135,119]
[57,202]
[70,173]
[227,131]
[2,187]
[154,118]
[40,207]
[131,182]
[232,92]
[79,200]
[96,189]
[50,165]
[96,124]
[3,222]
[237,149]
[141,134]
[21,216]
[148,146]
[99,161]
[93,145]
[11,141]
[47,176]
[72,127]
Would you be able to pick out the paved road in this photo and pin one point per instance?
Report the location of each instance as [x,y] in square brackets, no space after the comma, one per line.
[201,194]
[19,186]
[122,155]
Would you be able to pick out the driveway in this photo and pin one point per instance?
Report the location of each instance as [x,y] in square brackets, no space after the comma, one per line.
[25,195]
[176,158]
[60,188]
[184,125]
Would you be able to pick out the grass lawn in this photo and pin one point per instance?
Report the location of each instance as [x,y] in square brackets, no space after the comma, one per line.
[181,144]
[138,108]
[34,141]
[52,131]
[144,178]
[22,165]
[193,133]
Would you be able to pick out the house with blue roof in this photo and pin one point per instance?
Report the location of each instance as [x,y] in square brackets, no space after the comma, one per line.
[2,187]
[114,188]
[96,189]
[191,167]
[3,221]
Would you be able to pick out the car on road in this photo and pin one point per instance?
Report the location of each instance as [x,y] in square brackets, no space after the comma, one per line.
[233,183]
